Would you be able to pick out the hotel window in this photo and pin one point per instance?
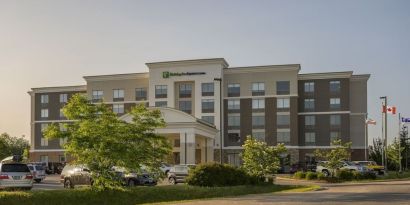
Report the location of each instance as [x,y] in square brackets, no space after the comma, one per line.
[62,113]
[334,103]
[334,86]
[234,121]
[61,158]
[118,95]
[283,120]
[309,87]
[97,95]
[63,141]
[309,104]
[335,120]
[161,91]
[44,113]
[185,106]
[282,103]
[234,159]
[44,158]
[140,94]
[334,136]
[234,104]
[44,141]
[310,139]
[44,99]
[258,121]
[259,136]
[161,104]
[234,90]
[185,90]
[63,127]
[209,119]
[208,106]
[258,89]
[63,98]
[234,137]
[207,89]
[258,104]
[283,137]
[118,108]
[310,121]
[282,88]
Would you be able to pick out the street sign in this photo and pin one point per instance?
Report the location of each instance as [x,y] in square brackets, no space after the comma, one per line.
[405,120]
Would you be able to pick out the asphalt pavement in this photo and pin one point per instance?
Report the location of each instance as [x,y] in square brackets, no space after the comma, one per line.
[51,182]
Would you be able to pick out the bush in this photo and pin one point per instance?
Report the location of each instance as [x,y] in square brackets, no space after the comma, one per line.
[345,175]
[362,176]
[311,175]
[321,176]
[300,175]
[217,175]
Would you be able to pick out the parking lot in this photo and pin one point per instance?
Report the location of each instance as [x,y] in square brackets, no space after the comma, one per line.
[50,183]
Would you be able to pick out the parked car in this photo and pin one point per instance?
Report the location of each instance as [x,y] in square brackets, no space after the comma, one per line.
[14,174]
[165,168]
[38,172]
[73,175]
[346,165]
[178,173]
[132,178]
[372,165]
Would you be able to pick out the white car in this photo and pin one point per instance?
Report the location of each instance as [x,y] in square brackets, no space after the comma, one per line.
[165,168]
[14,174]
[322,168]
[38,172]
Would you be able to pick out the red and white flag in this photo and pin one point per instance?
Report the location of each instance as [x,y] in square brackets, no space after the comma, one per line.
[389,109]
[371,122]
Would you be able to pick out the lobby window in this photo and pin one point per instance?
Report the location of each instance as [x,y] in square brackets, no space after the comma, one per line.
[185,90]
[234,104]
[310,121]
[309,87]
[334,103]
[63,98]
[208,106]
[207,89]
[258,104]
[310,139]
[118,108]
[234,137]
[259,136]
[234,121]
[334,136]
[161,91]
[185,106]
[234,90]
[283,120]
[282,88]
[258,89]
[118,95]
[97,95]
[140,94]
[44,113]
[309,104]
[282,103]
[44,99]
[283,137]
[161,104]
[258,121]
[209,119]
[334,86]
[335,120]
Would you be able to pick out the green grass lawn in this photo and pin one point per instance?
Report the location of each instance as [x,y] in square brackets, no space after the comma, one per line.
[137,195]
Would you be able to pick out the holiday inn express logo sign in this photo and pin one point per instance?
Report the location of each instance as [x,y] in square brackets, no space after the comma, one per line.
[167,74]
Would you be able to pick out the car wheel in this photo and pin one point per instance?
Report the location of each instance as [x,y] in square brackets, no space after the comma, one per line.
[325,173]
[68,184]
[131,183]
[172,181]
[37,180]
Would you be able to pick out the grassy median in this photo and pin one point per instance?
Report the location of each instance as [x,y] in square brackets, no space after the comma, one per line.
[138,195]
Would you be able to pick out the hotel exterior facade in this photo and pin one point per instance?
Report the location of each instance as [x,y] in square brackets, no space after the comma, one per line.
[200,98]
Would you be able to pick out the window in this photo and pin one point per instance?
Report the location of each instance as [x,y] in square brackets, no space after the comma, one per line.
[259,136]
[63,98]
[118,108]
[234,159]
[335,120]
[44,99]
[61,158]
[234,104]
[43,127]
[309,104]
[61,113]
[208,106]
[258,89]
[185,90]
[334,86]
[97,95]
[258,104]
[234,90]
[282,87]
[44,141]
[310,138]
[334,103]
[209,119]
[283,137]
[161,91]
[140,94]
[283,120]
[44,113]
[309,87]
[44,158]
[185,106]
[177,143]
[258,121]
[161,104]
[282,103]
[334,136]
[118,94]
[234,137]
[63,141]
[310,121]
[63,127]
[234,121]
[207,89]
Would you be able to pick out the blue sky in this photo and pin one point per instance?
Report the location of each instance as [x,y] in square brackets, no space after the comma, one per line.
[55,43]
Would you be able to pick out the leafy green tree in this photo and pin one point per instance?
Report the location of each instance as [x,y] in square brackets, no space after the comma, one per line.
[12,145]
[335,156]
[376,151]
[259,159]
[393,159]
[100,140]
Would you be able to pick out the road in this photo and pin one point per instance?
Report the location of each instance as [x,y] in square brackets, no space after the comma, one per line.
[51,182]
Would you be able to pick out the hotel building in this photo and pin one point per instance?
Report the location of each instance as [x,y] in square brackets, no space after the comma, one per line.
[199,98]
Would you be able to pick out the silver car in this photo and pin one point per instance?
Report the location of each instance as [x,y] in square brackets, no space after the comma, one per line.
[38,172]
[15,175]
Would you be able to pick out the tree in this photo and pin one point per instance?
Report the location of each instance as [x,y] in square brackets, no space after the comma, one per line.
[12,145]
[259,159]
[393,159]
[335,156]
[376,151]
[98,139]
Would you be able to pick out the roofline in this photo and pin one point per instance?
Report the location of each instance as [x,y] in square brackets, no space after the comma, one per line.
[123,76]
[360,77]
[327,75]
[58,89]
[188,62]
[263,68]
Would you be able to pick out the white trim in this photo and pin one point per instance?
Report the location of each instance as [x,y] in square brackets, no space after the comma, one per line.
[47,150]
[266,68]
[283,130]
[51,121]
[314,76]
[324,113]
[283,113]
[122,102]
[77,88]
[126,76]
[262,96]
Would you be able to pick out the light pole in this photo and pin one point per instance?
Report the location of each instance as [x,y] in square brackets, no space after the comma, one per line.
[220,118]
[384,98]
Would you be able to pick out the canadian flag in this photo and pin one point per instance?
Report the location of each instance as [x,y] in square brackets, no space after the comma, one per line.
[389,109]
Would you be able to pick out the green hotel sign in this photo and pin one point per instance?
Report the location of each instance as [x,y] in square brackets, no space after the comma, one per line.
[167,74]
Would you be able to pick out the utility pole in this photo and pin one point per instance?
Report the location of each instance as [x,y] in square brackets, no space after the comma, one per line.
[384,98]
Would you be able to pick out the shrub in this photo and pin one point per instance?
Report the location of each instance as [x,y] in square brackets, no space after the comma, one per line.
[311,175]
[300,175]
[366,175]
[321,176]
[345,175]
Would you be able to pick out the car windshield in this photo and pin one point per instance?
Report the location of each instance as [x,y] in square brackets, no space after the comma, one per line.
[38,167]
[350,163]
[30,167]
[14,168]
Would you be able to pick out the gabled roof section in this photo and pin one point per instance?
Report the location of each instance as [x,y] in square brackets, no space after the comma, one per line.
[125,76]
[221,61]
[329,75]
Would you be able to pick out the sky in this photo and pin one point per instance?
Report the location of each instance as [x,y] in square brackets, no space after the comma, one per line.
[54,43]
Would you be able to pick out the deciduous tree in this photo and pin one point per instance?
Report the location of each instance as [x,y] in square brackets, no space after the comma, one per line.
[335,156]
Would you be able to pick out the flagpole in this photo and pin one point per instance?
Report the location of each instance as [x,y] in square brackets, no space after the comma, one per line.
[399,146]
[365,142]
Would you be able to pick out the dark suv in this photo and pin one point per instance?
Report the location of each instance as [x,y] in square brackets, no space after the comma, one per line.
[178,173]
[73,175]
